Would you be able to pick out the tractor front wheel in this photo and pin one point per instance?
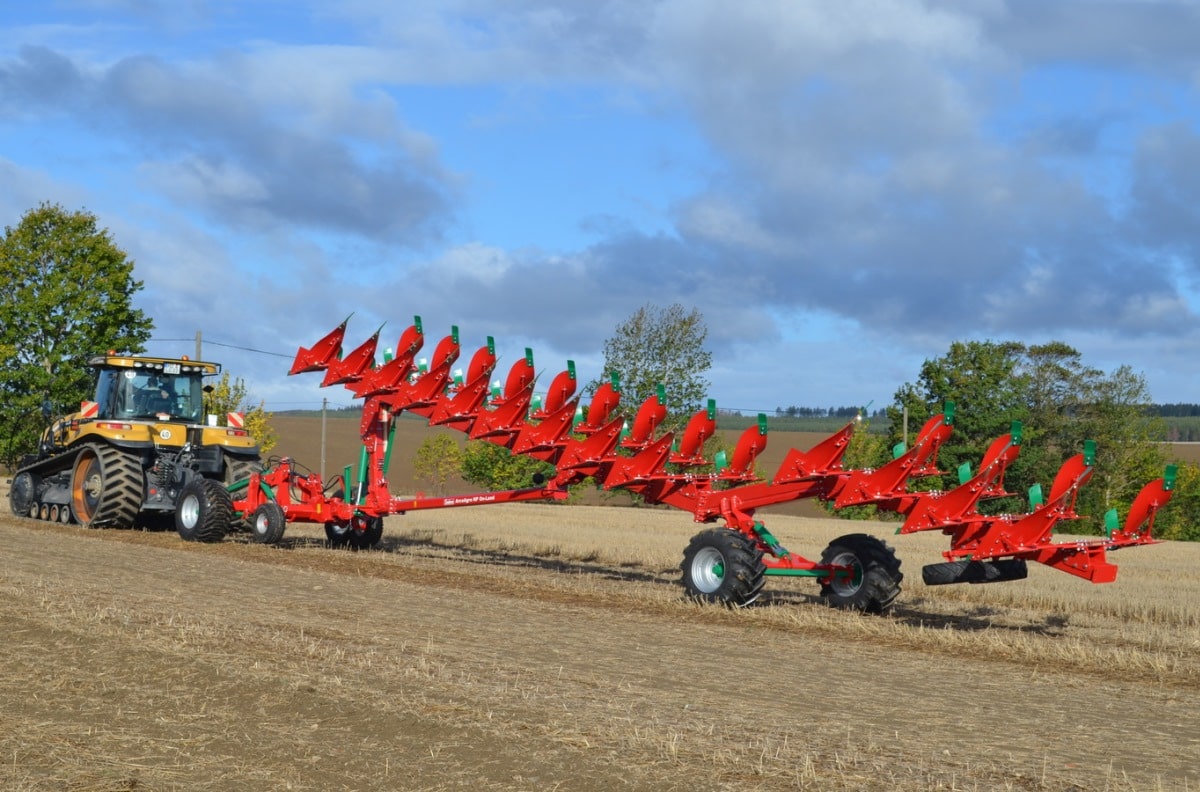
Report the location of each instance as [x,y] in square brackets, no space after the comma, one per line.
[723,565]
[870,580]
[268,523]
[204,511]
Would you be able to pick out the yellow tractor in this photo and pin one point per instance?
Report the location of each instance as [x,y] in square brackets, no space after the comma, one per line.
[143,447]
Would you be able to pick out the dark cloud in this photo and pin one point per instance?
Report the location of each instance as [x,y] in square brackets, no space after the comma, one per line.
[213,145]
[867,178]
[1157,36]
[38,80]
[1165,193]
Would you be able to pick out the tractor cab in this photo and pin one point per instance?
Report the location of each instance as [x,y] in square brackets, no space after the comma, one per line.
[152,389]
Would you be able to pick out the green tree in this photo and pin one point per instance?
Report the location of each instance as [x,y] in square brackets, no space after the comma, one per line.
[660,346]
[983,381]
[865,450]
[68,292]
[1060,402]
[496,468]
[437,459]
[229,395]
[1181,517]
[1116,415]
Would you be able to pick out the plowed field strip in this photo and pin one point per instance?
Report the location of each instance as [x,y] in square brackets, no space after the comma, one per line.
[136,658]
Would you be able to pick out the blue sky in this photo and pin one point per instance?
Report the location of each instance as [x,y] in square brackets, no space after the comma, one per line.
[842,189]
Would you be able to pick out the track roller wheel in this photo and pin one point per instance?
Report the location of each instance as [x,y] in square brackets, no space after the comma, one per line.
[204,511]
[723,565]
[106,487]
[873,582]
[21,494]
[267,523]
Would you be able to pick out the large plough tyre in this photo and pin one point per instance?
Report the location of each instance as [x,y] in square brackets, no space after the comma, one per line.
[204,511]
[106,487]
[725,566]
[872,581]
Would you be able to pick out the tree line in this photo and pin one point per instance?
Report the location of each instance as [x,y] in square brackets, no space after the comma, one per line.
[69,290]
[1174,410]
[68,295]
[851,411]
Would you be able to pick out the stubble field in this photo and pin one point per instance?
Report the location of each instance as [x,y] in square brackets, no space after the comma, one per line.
[529,647]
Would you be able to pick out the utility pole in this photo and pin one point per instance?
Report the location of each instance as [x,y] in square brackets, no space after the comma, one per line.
[198,355]
[324,404]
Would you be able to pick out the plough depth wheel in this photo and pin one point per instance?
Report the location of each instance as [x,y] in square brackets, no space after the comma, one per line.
[361,533]
[268,523]
[873,582]
[723,565]
[975,571]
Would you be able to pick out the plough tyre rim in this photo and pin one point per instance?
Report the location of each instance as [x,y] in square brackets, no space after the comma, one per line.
[849,585]
[268,523]
[204,511]
[874,580]
[708,570]
[723,566]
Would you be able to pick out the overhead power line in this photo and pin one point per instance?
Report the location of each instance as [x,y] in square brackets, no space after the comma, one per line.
[230,346]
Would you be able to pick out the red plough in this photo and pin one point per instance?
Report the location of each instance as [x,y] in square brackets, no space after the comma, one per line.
[994,548]
[725,564]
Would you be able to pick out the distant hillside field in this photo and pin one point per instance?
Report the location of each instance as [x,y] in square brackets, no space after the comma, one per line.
[300,438]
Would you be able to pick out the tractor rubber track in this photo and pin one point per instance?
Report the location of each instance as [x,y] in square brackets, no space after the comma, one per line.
[49,465]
